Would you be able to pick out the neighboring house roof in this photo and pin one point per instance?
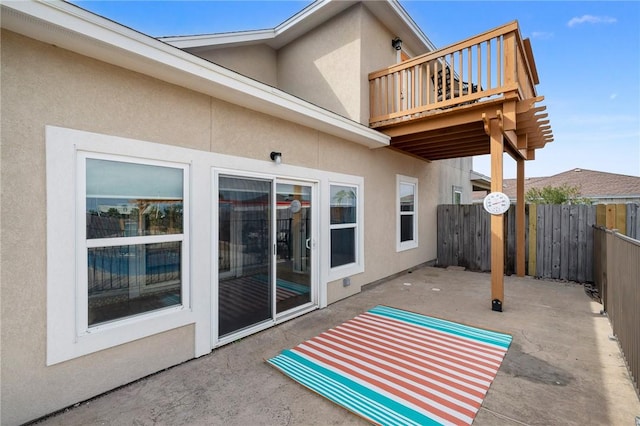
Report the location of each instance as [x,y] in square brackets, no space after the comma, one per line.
[390,12]
[480,182]
[592,184]
[73,28]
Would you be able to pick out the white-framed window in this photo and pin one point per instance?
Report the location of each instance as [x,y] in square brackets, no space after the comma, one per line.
[133,214]
[118,241]
[457,195]
[343,225]
[406,212]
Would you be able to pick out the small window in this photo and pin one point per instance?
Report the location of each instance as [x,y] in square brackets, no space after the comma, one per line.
[135,239]
[344,225]
[457,195]
[407,212]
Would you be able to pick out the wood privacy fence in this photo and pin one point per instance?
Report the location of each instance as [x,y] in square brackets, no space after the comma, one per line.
[617,277]
[558,238]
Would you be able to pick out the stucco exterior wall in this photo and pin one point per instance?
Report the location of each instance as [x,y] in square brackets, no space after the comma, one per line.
[41,85]
[454,172]
[85,94]
[256,61]
[323,66]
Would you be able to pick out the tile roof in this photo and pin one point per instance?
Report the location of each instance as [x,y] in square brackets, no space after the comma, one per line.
[591,183]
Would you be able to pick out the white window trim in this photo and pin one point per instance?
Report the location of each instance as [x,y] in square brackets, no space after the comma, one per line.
[356,267]
[410,244]
[68,336]
[83,244]
[456,190]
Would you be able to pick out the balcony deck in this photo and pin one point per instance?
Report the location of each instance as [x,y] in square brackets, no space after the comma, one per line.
[438,105]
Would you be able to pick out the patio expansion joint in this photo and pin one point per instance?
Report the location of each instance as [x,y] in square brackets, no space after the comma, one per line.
[504,417]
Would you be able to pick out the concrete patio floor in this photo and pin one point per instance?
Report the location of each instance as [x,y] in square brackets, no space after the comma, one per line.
[563,367]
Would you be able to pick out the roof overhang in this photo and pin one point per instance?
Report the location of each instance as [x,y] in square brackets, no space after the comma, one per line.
[390,12]
[73,28]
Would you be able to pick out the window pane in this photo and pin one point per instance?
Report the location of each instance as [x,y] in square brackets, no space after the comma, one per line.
[407,194]
[343,204]
[406,228]
[126,199]
[244,253]
[343,246]
[132,279]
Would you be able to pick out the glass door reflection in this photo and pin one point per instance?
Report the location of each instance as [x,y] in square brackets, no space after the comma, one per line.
[293,245]
[245,295]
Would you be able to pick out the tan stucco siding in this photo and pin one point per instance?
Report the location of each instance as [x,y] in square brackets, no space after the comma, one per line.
[323,65]
[245,133]
[45,85]
[42,85]
[256,61]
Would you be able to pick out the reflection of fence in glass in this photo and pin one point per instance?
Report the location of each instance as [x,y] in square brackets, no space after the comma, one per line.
[132,279]
[114,268]
[244,240]
[255,247]
[162,263]
[108,268]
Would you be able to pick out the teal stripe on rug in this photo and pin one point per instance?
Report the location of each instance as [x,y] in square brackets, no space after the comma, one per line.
[486,336]
[339,393]
[367,402]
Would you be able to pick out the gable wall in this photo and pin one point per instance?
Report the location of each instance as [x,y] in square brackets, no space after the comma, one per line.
[81,93]
[258,61]
[323,66]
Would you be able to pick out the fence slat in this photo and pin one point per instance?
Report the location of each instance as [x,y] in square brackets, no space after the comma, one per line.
[632,224]
[564,242]
[556,234]
[533,236]
[548,241]
[540,241]
[591,221]
[582,243]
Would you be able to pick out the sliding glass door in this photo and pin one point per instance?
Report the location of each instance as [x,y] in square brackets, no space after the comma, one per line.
[264,250]
[244,253]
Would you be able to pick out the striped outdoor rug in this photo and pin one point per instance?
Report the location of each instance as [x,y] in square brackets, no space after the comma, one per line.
[394,367]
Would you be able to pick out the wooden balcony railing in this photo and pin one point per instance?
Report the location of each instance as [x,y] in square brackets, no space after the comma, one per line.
[495,63]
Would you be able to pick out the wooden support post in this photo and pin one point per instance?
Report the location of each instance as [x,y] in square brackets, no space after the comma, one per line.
[497,221]
[520,247]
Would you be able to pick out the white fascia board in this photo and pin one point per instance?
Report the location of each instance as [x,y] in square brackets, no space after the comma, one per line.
[70,27]
[226,39]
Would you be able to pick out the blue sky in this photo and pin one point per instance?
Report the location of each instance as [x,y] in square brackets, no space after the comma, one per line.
[587,54]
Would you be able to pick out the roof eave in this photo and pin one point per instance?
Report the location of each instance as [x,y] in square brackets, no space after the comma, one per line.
[390,12]
[70,27]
